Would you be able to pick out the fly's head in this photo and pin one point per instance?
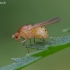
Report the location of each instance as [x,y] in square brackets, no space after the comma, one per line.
[16,36]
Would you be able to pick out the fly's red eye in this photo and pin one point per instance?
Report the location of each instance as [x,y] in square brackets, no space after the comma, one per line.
[16,37]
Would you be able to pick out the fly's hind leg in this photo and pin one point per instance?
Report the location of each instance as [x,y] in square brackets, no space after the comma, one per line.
[35,43]
[23,42]
[43,39]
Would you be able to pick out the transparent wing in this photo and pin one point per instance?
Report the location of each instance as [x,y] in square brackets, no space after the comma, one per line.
[52,21]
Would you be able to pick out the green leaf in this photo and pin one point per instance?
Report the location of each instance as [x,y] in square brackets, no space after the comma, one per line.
[46,48]
[66,30]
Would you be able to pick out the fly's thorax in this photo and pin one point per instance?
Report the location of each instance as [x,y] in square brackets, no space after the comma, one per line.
[25,33]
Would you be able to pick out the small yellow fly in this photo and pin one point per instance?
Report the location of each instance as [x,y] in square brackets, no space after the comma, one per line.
[34,31]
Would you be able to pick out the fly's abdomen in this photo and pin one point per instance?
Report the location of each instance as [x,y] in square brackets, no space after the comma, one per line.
[40,32]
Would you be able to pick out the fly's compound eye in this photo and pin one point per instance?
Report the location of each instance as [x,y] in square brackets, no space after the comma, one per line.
[16,37]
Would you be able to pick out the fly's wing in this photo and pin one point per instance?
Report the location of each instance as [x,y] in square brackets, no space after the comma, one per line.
[52,21]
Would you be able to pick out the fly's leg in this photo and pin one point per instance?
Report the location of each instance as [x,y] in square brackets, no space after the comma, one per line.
[25,44]
[26,47]
[23,41]
[35,43]
[43,40]
[30,42]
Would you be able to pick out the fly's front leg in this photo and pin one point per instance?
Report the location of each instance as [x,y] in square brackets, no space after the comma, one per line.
[23,41]
[25,44]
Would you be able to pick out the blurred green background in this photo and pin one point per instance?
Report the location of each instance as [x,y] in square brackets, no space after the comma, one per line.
[16,13]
